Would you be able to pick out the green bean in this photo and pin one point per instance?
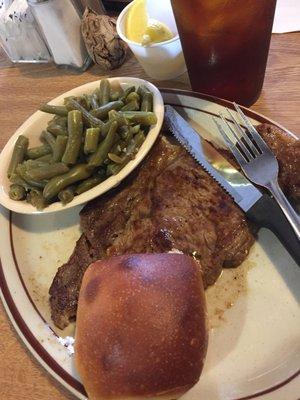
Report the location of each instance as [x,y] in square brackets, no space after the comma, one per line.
[55,185]
[100,155]
[135,143]
[117,138]
[39,151]
[66,195]
[114,168]
[133,96]
[126,93]
[88,184]
[47,172]
[30,164]
[114,115]
[58,110]
[147,102]
[93,121]
[18,154]
[75,130]
[139,117]
[123,131]
[57,130]
[52,120]
[142,90]
[91,140]
[135,129]
[23,173]
[69,105]
[102,112]
[85,101]
[35,184]
[147,98]
[49,139]
[115,158]
[15,178]
[104,130]
[57,120]
[129,135]
[131,106]
[94,101]
[35,198]
[104,92]
[139,138]
[97,93]
[47,158]
[117,147]
[114,95]
[59,148]
[17,192]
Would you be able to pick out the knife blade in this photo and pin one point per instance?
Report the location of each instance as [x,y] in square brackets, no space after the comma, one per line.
[258,207]
[232,181]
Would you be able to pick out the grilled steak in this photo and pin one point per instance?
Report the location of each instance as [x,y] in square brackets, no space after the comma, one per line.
[64,290]
[287,150]
[169,203]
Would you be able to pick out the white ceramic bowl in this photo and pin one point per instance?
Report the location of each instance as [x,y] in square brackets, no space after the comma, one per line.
[161,61]
[33,127]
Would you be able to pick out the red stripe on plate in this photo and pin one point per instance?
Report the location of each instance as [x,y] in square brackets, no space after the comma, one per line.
[222,102]
[31,339]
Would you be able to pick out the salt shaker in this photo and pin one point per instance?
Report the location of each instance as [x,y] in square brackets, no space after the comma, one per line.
[60,24]
[19,34]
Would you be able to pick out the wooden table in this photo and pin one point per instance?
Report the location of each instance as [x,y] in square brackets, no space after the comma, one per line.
[24,87]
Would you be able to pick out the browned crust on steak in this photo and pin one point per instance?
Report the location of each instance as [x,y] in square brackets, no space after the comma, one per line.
[287,150]
[64,289]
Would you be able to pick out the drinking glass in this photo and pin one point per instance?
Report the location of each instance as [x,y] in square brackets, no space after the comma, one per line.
[226,45]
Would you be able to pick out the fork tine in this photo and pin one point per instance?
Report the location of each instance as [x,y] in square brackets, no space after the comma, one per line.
[251,129]
[235,151]
[248,155]
[243,134]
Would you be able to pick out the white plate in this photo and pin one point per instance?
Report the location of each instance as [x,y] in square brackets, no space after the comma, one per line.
[33,127]
[254,346]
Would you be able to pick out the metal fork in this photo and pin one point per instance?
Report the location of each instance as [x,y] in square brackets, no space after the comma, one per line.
[256,160]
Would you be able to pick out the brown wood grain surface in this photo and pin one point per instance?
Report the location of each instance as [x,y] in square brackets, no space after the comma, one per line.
[24,87]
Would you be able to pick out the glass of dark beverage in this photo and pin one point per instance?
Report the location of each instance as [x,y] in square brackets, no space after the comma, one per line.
[226,45]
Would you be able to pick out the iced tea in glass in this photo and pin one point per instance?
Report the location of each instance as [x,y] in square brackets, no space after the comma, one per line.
[226,45]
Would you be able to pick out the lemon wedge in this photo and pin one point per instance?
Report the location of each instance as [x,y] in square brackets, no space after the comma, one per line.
[137,20]
[140,29]
[156,32]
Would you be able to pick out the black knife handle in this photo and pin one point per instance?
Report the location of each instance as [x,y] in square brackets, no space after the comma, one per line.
[267,213]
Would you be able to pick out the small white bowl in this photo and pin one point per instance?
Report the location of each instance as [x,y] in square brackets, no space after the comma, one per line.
[33,127]
[161,61]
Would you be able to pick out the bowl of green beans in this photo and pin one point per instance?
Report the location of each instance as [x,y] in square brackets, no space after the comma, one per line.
[80,145]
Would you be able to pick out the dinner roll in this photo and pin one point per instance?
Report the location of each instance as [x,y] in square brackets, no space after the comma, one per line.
[141,327]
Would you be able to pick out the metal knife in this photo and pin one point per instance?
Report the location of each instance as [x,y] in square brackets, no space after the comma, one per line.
[258,207]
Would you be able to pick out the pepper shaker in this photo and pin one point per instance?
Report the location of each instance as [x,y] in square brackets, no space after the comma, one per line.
[59,22]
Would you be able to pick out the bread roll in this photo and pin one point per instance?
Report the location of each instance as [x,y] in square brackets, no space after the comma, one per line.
[141,327]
